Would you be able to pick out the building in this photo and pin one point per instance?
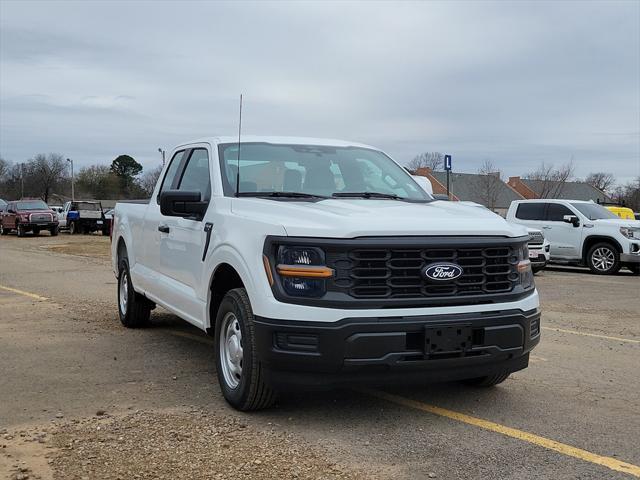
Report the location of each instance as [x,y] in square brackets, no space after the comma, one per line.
[488,190]
[531,189]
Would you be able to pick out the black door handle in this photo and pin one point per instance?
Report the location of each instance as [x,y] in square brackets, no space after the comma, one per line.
[163,228]
[207,229]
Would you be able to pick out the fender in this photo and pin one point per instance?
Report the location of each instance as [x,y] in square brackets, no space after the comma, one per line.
[591,239]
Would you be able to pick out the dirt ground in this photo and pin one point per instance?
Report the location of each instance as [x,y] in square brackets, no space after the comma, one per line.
[83,398]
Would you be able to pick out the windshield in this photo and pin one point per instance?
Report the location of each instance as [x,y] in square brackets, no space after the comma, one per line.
[593,211]
[32,205]
[309,170]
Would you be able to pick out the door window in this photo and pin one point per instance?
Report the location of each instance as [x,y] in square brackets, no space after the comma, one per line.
[556,212]
[195,177]
[170,176]
[531,211]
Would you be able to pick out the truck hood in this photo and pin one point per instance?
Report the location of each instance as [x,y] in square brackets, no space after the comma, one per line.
[348,218]
[616,223]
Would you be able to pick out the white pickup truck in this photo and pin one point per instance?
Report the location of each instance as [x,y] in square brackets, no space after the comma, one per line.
[582,232]
[318,263]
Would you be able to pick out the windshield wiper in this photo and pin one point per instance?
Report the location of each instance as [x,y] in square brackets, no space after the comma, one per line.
[280,194]
[366,195]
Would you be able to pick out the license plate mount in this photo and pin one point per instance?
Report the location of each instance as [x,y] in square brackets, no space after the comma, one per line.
[447,339]
[533,254]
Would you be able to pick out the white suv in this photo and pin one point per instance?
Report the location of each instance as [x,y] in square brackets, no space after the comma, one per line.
[582,232]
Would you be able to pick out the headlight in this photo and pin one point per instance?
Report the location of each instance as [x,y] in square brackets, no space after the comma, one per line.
[630,232]
[303,271]
[525,274]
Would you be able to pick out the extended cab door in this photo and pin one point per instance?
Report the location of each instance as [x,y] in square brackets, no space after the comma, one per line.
[9,218]
[174,245]
[565,238]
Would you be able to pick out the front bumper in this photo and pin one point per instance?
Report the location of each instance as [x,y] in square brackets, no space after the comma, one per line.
[629,258]
[40,225]
[381,350]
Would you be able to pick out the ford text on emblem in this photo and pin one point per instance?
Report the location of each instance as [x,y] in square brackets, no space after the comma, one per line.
[442,271]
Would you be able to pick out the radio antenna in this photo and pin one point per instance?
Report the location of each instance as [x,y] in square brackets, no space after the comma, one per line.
[238,163]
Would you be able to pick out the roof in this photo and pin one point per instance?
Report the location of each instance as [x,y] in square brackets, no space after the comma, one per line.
[566,191]
[473,187]
[280,140]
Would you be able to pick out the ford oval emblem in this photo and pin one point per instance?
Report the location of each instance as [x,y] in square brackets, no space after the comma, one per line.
[442,272]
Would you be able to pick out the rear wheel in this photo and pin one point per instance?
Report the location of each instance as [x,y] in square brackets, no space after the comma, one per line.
[635,268]
[240,373]
[488,381]
[133,308]
[3,231]
[603,259]
[73,228]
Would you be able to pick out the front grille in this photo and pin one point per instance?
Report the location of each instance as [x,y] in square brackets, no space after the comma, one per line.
[40,217]
[396,273]
[536,238]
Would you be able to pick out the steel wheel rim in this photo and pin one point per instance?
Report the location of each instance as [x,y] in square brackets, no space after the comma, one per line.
[123,295]
[603,259]
[231,352]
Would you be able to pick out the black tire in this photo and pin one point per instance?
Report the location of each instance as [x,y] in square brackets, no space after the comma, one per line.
[135,311]
[488,381]
[603,259]
[36,232]
[634,267]
[251,391]
[105,232]
[4,231]
[54,231]
[20,230]
[73,228]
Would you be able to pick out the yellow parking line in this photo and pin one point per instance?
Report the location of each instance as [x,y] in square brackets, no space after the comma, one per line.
[22,292]
[585,334]
[609,462]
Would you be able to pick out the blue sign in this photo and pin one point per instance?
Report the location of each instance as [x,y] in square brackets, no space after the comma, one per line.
[447,162]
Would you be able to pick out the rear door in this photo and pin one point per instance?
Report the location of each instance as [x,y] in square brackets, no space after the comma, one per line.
[531,214]
[9,218]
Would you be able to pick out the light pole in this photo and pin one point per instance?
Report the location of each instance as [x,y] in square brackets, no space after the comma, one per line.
[22,180]
[162,152]
[73,197]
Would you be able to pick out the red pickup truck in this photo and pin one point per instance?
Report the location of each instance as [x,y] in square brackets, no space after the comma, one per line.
[28,216]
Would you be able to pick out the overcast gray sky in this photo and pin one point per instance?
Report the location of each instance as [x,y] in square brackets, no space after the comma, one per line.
[514,82]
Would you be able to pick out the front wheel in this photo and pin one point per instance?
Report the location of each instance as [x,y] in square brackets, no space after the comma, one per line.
[36,232]
[603,259]
[54,231]
[21,230]
[488,381]
[133,308]
[240,373]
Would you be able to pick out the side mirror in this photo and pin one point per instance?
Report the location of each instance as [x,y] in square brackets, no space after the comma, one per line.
[10,210]
[175,203]
[572,219]
[424,183]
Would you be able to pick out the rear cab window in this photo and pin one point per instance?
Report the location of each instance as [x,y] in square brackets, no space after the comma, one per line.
[531,211]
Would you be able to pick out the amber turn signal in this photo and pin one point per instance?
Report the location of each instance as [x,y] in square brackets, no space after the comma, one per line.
[304,271]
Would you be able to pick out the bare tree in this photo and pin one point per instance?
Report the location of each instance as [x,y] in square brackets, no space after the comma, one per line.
[149,179]
[46,172]
[551,179]
[601,180]
[432,160]
[488,184]
[4,168]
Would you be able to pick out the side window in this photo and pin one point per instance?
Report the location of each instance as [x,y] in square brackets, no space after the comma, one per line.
[169,177]
[195,177]
[556,211]
[531,211]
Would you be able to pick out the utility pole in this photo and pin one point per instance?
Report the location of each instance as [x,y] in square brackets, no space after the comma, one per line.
[73,197]
[162,152]
[22,180]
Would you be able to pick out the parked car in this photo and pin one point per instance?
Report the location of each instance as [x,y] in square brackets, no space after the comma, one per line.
[28,216]
[582,233]
[318,263]
[85,217]
[622,212]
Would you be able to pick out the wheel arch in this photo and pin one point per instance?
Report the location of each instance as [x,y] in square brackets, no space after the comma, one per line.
[591,240]
[225,277]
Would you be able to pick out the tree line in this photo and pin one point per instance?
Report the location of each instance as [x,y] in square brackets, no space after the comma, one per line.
[48,176]
[551,178]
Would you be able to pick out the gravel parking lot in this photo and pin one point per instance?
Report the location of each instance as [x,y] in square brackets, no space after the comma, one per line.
[82,397]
